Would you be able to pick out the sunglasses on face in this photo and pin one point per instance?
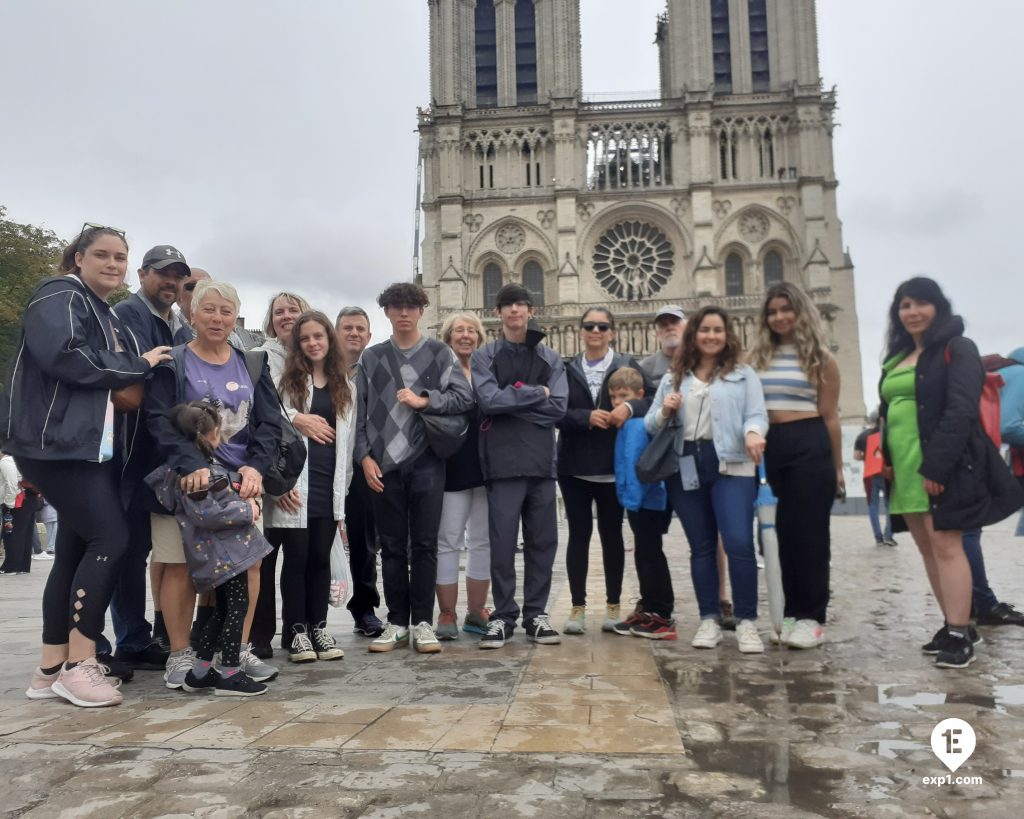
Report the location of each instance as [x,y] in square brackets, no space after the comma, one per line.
[601,326]
[191,286]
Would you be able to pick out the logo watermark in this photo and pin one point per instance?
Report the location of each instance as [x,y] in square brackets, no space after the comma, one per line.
[953,742]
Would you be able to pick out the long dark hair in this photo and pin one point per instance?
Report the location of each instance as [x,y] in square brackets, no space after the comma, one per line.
[81,243]
[195,421]
[687,357]
[898,340]
[298,368]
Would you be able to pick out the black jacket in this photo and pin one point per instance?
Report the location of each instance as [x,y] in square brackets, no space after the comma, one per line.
[586,451]
[167,388]
[64,369]
[979,489]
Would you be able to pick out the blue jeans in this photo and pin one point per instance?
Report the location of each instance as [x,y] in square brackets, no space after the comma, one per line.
[983,598]
[132,631]
[723,504]
[875,493]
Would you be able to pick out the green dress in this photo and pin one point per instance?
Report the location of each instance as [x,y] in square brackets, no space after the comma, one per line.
[899,391]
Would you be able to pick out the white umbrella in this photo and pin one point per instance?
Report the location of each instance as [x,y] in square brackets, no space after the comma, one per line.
[766,505]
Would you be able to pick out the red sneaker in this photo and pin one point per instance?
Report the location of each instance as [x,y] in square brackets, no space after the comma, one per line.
[655,628]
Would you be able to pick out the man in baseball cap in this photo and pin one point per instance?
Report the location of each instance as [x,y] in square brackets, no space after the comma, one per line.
[669,323]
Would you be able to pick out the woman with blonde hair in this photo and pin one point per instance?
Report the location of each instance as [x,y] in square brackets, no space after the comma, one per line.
[803,459]
[464,520]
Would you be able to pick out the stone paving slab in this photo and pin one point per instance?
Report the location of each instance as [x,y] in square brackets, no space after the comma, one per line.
[602,725]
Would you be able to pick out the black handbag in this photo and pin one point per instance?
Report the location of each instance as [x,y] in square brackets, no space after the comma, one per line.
[290,458]
[445,433]
[660,460]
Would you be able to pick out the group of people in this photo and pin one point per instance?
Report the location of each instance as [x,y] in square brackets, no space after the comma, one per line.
[151,428]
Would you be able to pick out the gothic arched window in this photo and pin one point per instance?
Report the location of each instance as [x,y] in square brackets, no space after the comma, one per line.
[486,56]
[533,281]
[759,72]
[733,275]
[721,50]
[492,284]
[526,53]
[773,270]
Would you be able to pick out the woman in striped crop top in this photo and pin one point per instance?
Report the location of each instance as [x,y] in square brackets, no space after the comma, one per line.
[803,458]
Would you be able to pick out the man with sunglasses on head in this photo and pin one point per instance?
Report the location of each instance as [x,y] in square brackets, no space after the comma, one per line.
[149,315]
[522,392]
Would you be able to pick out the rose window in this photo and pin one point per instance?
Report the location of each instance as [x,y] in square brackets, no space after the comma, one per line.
[633,260]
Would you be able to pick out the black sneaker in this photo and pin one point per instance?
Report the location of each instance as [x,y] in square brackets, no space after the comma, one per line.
[956,652]
[116,668]
[238,684]
[498,631]
[1002,615]
[301,650]
[369,624]
[539,630]
[163,641]
[209,680]
[152,657]
[262,651]
[934,646]
[324,644]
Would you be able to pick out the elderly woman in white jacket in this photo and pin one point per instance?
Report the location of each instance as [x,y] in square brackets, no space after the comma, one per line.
[304,521]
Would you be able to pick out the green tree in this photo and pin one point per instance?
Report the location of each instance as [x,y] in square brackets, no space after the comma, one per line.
[27,255]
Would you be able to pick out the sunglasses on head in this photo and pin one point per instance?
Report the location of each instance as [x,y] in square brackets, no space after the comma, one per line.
[91,226]
[590,326]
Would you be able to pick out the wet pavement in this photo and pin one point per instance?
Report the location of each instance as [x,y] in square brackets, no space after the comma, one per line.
[600,726]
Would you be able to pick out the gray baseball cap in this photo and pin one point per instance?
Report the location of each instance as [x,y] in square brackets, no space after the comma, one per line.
[673,310]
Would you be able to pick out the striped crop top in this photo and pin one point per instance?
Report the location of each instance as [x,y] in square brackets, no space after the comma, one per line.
[786,386]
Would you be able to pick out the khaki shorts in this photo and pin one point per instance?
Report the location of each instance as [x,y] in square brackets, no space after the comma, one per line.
[166,539]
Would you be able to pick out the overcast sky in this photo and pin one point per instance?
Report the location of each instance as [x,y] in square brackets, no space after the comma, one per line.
[274,142]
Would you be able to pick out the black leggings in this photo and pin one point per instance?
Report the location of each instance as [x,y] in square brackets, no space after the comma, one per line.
[92,534]
[579,497]
[224,628]
[18,545]
[306,572]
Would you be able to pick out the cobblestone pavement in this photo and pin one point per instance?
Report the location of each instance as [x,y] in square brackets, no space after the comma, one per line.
[600,726]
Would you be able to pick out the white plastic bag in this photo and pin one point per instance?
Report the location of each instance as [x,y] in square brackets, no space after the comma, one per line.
[341,576]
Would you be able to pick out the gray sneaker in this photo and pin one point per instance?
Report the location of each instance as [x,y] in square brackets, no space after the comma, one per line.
[179,663]
[254,666]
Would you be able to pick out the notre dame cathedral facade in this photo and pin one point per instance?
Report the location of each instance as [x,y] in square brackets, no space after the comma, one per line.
[718,188]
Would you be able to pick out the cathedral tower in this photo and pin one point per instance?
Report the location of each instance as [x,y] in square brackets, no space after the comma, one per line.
[709,193]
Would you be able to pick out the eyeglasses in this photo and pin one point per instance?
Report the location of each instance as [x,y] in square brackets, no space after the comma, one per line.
[601,326]
[191,286]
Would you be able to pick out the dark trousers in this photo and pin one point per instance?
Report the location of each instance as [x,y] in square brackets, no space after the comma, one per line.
[92,536]
[983,599]
[531,500]
[362,546]
[264,617]
[799,467]
[580,497]
[18,544]
[306,573]
[223,629]
[652,570]
[408,514]
[132,631]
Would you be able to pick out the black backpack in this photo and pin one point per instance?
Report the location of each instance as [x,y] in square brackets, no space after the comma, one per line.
[285,469]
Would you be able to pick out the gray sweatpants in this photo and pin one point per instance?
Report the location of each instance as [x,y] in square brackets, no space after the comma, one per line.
[533,500]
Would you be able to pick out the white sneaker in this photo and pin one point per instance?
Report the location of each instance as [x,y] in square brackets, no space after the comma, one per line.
[393,636]
[747,638]
[424,640]
[805,634]
[708,635]
[788,624]
[577,622]
[179,663]
[612,616]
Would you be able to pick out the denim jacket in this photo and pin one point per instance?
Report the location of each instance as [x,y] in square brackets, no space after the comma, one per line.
[737,407]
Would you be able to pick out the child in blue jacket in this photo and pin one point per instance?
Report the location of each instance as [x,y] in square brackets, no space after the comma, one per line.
[645,509]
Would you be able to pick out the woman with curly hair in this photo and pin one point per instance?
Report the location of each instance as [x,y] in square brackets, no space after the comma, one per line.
[304,520]
[803,461]
[720,409]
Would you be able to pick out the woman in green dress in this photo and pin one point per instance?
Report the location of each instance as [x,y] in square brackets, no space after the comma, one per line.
[945,473]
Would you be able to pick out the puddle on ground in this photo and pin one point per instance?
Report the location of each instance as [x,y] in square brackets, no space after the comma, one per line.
[1011,773]
[893,694]
[1009,694]
[785,779]
[890,748]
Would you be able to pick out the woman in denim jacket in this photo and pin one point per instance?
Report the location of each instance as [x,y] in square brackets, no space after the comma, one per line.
[720,409]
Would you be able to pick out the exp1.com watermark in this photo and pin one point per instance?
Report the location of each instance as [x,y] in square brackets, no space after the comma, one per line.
[953,742]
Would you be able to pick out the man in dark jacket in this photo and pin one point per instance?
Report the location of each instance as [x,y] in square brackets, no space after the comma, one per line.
[149,316]
[522,393]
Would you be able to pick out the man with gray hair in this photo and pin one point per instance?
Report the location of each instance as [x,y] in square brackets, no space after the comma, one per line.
[669,323]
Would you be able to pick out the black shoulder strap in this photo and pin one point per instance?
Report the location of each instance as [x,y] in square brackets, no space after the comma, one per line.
[254,361]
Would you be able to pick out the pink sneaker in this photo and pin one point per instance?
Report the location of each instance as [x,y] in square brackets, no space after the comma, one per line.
[40,687]
[85,685]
